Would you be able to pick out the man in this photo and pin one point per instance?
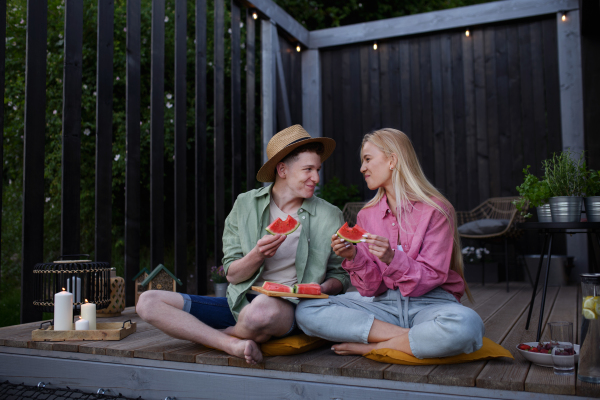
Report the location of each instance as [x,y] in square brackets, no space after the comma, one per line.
[252,257]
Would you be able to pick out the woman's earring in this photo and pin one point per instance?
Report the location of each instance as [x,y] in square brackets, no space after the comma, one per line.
[391,168]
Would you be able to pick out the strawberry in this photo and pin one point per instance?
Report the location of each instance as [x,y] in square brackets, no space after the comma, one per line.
[534,350]
[523,346]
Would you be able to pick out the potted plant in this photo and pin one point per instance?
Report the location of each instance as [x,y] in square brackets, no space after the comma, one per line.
[219,280]
[534,193]
[567,183]
[592,196]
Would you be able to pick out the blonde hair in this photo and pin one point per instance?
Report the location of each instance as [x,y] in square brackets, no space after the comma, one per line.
[410,184]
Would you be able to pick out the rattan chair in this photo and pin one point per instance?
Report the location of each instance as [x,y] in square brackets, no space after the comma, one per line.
[494,208]
[351,210]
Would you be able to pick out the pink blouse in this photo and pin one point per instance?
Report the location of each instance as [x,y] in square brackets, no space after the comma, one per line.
[424,261]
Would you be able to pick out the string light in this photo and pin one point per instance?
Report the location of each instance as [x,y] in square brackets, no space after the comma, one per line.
[298,48]
[375,46]
[467,33]
[564,16]
[254,15]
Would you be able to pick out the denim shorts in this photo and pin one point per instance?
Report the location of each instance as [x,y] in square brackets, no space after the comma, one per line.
[215,311]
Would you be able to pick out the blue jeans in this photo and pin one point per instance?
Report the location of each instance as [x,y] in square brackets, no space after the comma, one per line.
[439,325]
[215,311]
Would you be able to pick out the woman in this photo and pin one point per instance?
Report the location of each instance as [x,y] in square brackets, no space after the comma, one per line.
[408,270]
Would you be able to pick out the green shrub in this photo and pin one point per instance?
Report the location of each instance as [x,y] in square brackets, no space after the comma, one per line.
[337,194]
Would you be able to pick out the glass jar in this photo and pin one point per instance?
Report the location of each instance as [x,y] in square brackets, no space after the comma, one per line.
[589,351]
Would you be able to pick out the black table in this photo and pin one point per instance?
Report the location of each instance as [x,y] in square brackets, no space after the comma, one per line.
[549,229]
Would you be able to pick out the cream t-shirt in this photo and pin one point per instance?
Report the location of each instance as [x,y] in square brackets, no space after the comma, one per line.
[281,268]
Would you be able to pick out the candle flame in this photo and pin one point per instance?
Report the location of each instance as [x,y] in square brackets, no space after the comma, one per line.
[86,300]
[64,289]
[80,317]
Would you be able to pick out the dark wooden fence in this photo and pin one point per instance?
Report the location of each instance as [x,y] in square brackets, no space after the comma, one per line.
[477,108]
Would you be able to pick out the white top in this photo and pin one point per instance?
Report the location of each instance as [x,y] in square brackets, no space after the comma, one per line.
[400,247]
[281,268]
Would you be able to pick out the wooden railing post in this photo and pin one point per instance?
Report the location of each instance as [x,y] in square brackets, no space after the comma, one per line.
[219,131]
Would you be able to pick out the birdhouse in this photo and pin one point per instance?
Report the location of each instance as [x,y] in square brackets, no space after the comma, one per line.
[138,279]
[161,279]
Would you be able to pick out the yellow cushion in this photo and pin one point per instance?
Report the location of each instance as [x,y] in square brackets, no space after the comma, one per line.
[290,345]
[488,350]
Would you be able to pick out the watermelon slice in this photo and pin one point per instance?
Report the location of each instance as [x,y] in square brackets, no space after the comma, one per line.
[277,287]
[279,227]
[307,288]
[352,235]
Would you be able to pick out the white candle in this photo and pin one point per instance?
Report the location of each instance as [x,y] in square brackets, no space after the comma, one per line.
[63,311]
[88,312]
[82,325]
[74,286]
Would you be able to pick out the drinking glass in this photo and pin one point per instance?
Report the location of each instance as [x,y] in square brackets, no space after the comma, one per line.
[563,354]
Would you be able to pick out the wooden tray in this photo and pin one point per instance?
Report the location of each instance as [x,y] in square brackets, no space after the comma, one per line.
[104,331]
[283,294]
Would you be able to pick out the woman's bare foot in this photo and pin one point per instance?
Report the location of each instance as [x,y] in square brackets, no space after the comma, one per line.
[246,349]
[346,349]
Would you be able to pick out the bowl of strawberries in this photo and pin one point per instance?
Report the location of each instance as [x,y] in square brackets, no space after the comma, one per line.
[541,353]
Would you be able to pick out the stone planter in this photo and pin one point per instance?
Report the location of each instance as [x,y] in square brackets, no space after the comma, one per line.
[473,272]
[544,214]
[592,208]
[566,208]
[220,289]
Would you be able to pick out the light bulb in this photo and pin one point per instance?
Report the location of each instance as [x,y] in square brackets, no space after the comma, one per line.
[375,46]
[564,17]
[298,48]
[467,33]
[254,15]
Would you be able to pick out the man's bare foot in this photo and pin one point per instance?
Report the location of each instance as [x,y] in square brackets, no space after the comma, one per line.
[246,349]
[346,349]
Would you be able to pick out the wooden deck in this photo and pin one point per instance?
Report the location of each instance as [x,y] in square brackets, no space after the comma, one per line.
[150,364]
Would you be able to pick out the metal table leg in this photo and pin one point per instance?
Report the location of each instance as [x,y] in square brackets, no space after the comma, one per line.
[541,317]
[506,260]
[537,280]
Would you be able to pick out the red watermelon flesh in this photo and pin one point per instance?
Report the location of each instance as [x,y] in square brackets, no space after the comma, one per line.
[307,288]
[279,227]
[352,235]
[277,287]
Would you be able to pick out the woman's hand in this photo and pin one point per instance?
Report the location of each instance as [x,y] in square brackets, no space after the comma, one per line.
[343,248]
[379,246]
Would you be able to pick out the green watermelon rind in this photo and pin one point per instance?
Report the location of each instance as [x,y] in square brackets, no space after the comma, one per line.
[348,239]
[280,233]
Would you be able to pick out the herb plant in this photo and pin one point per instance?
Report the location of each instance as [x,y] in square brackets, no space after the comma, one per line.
[565,175]
[533,192]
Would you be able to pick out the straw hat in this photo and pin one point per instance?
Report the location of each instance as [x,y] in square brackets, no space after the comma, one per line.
[283,143]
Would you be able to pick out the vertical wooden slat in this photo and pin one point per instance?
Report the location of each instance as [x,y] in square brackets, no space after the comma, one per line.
[268,68]
[480,112]
[327,99]
[426,135]
[219,130]
[2,80]
[180,143]
[374,89]
[250,101]
[449,132]
[312,112]
[405,99]
[551,86]
[157,136]
[539,105]
[470,122]
[492,110]
[284,115]
[104,117]
[132,169]
[71,132]
[527,99]
[506,185]
[458,104]
[236,103]
[383,51]
[439,150]
[514,101]
[33,154]
[355,138]
[416,132]
[395,88]
[200,149]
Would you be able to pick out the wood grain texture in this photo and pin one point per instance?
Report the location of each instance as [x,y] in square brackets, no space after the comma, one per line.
[156,351]
[272,11]
[409,373]
[510,375]
[328,364]
[214,357]
[186,353]
[365,368]
[542,379]
[482,156]
[294,363]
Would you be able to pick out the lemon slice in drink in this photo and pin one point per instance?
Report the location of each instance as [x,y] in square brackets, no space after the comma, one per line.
[589,314]
[591,302]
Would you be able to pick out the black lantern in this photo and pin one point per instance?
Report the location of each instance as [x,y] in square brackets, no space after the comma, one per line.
[85,279]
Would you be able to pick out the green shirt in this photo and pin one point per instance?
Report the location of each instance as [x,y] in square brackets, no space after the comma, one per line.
[315,260]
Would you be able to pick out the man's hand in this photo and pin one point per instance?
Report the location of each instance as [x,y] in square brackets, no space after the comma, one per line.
[379,246]
[343,248]
[267,246]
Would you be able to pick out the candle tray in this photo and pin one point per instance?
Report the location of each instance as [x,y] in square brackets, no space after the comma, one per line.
[104,331]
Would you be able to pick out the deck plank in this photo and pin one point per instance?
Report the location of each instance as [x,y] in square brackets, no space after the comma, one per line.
[502,306]
[214,357]
[365,368]
[543,379]
[510,374]
[157,351]
[294,363]
[328,364]
[186,354]
[409,373]
[100,347]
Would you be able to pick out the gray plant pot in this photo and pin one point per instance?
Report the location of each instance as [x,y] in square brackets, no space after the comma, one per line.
[220,289]
[592,208]
[544,214]
[566,208]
